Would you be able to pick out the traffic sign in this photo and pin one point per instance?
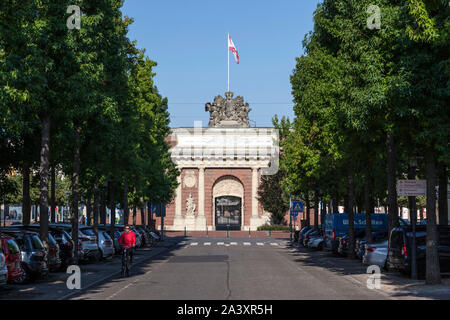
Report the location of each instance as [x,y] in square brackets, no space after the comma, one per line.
[412,188]
[160,210]
[297,206]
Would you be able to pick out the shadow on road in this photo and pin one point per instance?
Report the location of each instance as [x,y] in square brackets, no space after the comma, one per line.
[395,283]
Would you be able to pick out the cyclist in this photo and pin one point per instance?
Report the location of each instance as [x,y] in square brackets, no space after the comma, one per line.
[127,240]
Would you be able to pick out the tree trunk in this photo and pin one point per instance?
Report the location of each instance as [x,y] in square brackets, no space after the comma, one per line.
[335,199]
[89,211]
[142,212]
[53,196]
[126,210]
[323,212]
[75,192]
[134,214]
[351,217]
[308,208]
[149,214]
[433,273]
[103,207]
[391,180]
[316,208]
[112,205]
[443,202]
[44,173]
[367,203]
[26,204]
[96,204]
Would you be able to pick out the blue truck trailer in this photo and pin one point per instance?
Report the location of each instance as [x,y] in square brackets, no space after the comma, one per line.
[336,226]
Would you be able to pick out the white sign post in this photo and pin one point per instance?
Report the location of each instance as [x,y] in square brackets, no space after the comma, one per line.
[412,188]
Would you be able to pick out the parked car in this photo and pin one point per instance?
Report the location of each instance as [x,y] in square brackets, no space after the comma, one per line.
[63,240]
[316,242]
[13,257]
[360,248]
[376,254]
[301,234]
[53,258]
[3,270]
[118,229]
[138,237]
[311,233]
[400,245]
[105,244]
[34,256]
[344,241]
[144,234]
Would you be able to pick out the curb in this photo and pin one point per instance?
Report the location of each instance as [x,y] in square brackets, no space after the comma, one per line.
[69,295]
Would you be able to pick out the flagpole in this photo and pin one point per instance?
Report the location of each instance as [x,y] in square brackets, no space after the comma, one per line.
[228,51]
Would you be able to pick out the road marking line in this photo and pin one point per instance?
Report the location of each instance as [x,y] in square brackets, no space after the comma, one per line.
[233,243]
[247,244]
[259,243]
[207,244]
[220,243]
[194,243]
[273,244]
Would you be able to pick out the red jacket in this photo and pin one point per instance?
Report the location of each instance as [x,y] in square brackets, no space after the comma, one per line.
[127,240]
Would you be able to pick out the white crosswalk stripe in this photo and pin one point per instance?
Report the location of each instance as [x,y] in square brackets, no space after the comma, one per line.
[273,244]
[194,243]
[207,243]
[259,243]
[247,244]
[220,243]
[233,243]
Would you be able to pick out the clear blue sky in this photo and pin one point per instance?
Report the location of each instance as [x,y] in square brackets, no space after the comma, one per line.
[188,40]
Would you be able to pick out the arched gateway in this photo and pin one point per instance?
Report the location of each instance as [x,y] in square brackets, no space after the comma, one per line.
[221,167]
[228,200]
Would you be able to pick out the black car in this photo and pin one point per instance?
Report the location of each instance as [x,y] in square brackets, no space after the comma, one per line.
[64,243]
[400,245]
[344,241]
[34,256]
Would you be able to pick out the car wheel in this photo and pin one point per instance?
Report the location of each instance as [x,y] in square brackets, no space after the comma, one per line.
[320,247]
[24,278]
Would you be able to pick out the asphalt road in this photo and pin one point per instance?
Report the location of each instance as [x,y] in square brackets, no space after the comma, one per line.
[228,269]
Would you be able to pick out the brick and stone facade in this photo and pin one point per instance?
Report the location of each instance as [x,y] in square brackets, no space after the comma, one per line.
[217,164]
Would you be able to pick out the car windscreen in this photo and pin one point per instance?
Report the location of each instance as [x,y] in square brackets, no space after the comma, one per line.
[51,240]
[13,247]
[396,239]
[106,236]
[36,243]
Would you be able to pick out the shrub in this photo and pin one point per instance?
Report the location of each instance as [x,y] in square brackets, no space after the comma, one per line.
[268,227]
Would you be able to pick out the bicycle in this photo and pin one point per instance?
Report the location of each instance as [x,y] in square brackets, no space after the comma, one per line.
[125,263]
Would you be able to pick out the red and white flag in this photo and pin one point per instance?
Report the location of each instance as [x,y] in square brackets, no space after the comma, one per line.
[233,49]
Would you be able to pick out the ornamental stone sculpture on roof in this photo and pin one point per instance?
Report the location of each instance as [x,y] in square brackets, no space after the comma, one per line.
[228,112]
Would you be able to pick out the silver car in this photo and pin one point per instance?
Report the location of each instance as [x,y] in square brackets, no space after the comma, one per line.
[105,244]
[376,254]
[3,269]
[89,246]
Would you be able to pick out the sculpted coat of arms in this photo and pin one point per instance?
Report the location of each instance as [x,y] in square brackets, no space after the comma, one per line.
[228,111]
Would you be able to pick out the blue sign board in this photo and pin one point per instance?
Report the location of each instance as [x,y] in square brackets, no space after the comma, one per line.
[297,206]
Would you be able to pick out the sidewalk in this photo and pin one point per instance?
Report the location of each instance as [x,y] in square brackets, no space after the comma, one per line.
[392,284]
[54,286]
